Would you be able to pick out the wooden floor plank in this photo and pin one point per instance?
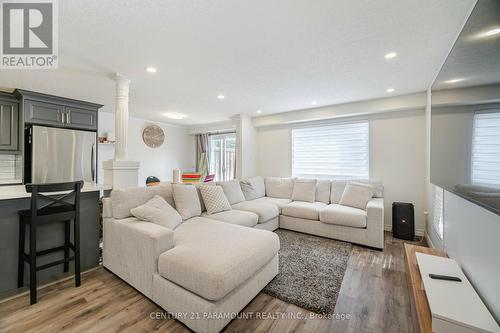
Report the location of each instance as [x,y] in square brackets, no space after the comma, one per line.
[374,297]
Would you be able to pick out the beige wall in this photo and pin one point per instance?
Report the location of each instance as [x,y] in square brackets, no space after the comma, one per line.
[397,143]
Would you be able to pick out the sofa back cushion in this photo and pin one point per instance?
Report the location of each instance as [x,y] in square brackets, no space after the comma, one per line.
[338,187]
[277,187]
[304,190]
[214,198]
[323,191]
[125,199]
[158,211]
[186,200]
[253,187]
[357,195]
[232,190]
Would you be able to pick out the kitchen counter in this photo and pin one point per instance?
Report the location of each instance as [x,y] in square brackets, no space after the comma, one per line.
[14,198]
[8,192]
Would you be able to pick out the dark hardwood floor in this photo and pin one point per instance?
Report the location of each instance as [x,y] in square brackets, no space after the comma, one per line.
[373,298]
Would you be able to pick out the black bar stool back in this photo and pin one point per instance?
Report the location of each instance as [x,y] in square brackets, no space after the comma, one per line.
[49,205]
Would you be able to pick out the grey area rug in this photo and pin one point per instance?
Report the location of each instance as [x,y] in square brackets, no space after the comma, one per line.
[311,271]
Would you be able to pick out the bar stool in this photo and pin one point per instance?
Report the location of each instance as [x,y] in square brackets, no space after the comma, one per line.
[57,208]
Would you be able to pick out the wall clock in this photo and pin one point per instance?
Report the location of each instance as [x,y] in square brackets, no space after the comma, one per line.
[153,136]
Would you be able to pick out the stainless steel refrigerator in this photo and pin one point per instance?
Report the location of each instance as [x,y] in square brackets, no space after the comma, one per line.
[62,155]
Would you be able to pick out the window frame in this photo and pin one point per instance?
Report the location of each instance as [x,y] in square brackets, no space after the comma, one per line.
[333,123]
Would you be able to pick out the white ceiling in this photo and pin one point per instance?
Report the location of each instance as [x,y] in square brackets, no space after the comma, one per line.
[273,55]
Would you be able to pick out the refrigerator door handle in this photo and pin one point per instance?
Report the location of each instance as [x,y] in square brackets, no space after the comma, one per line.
[92,162]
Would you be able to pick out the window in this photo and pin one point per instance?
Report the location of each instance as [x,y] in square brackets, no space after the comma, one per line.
[339,151]
[486,148]
[222,155]
[438,211]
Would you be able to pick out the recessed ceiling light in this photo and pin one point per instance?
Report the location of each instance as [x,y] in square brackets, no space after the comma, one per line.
[259,111]
[221,96]
[391,55]
[454,80]
[490,33]
[151,69]
[175,115]
[314,102]
[389,90]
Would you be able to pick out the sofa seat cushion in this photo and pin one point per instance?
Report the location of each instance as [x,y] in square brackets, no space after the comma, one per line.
[275,201]
[234,216]
[212,258]
[303,210]
[343,215]
[265,211]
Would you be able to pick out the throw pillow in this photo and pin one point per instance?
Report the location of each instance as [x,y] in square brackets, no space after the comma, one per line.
[304,190]
[277,187]
[203,208]
[186,200]
[357,195]
[126,199]
[253,187]
[323,191]
[158,211]
[215,199]
[232,190]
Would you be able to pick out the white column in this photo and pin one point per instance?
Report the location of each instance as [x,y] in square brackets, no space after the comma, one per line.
[121,117]
[121,172]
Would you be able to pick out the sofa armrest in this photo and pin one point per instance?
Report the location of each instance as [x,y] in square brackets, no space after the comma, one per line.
[131,249]
[375,221]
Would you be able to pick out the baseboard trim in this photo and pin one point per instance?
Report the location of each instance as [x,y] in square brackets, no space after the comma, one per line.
[429,241]
[418,232]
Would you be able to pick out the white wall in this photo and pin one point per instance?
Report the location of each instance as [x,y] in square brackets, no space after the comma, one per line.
[471,238]
[246,143]
[178,150]
[397,157]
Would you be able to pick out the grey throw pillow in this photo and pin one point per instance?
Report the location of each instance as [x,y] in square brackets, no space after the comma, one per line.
[215,199]
[187,201]
[232,190]
[158,211]
[304,190]
[357,195]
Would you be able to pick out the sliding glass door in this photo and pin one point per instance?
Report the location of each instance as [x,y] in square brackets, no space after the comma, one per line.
[222,155]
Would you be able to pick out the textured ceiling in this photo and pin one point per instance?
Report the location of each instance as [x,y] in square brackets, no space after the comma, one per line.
[275,56]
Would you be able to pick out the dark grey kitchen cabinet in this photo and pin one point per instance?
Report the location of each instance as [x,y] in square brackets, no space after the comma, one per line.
[9,126]
[43,113]
[55,111]
[81,118]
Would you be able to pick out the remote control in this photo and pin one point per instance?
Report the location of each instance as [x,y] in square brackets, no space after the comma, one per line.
[445,277]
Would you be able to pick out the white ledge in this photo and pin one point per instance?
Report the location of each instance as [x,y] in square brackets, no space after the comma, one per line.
[19,191]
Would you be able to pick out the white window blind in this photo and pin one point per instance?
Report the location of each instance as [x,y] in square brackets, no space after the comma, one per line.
[438,209]
[486,148]
[339,151]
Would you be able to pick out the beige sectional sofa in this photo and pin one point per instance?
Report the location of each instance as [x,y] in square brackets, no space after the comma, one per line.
[211,266]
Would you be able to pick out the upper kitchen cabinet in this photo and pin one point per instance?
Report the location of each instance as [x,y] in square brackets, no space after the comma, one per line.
[9,124]
[42,109]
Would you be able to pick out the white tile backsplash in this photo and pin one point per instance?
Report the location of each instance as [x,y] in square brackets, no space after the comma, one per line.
[10,167]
